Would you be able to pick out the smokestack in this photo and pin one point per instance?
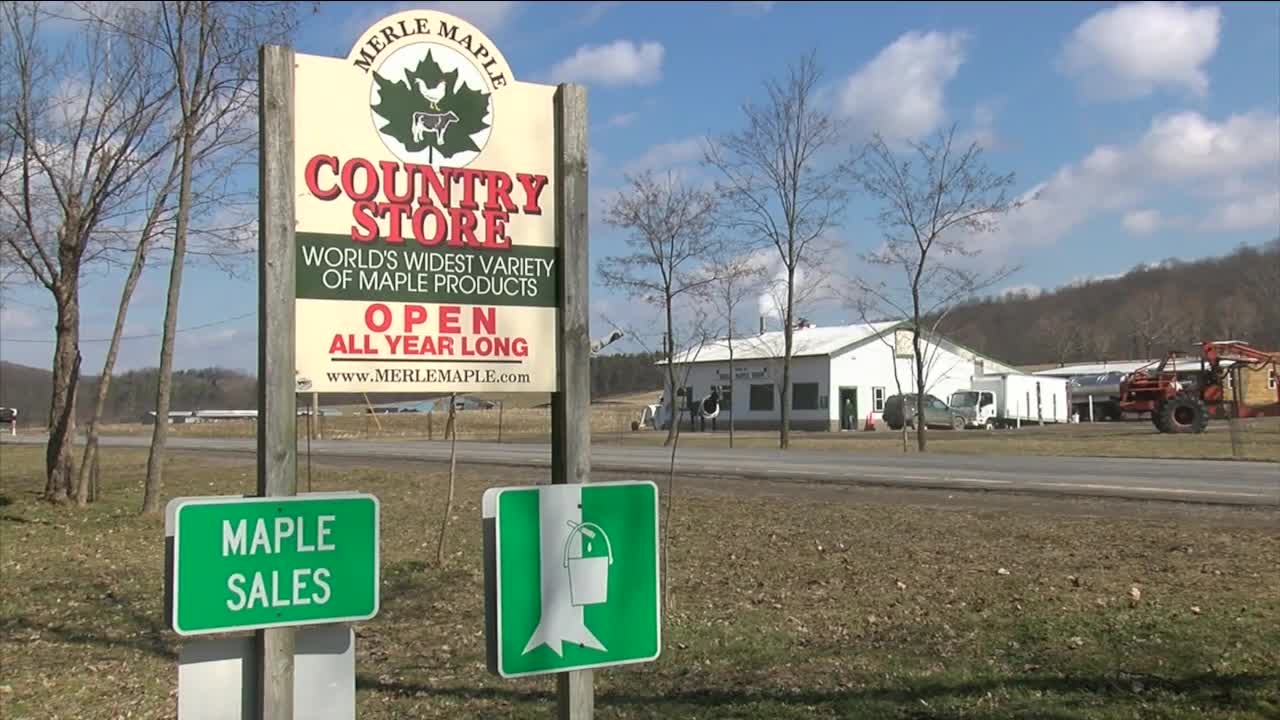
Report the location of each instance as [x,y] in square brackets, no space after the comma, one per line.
[761,324]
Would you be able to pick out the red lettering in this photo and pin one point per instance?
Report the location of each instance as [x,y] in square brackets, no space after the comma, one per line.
[366,227]
[468,178]
[431,184]
[445,345]
[449,319]
[312,176]
[380,325]
[389,170]
[411,345]
[349,179]
[484,321]
[533,186]
[398,212]
[520,347]
[500,192]
[495,229]
[462,228]
[393,341]
[414,315]
[419,219]
[338,346]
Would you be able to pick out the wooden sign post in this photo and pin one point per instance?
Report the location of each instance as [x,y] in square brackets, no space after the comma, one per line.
[571,406]
[277,385]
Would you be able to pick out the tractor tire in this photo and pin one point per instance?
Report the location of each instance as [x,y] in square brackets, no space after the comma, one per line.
[1183,414]
[1158,417]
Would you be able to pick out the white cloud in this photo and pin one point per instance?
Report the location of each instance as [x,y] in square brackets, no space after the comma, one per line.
[752,8]
[1133,50]
[900,92]
[13,318]
[617,64]
[1261,210]
[1183,153]
[983,131]
[1028,290]
[622,120]
[1142,222]
[490,16]
[667,156]
[597,10]
[1079,280]
[1188,145]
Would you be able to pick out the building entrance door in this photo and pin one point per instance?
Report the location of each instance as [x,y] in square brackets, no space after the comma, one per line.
[848,408]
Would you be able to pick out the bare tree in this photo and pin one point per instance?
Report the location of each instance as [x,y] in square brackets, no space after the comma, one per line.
[734,280]
[451,430]
[75,146]
[934,203]
[1060,333]
[210,49]
[1151,322]
[782,182]
[670,228]
[679,366]
[151,230]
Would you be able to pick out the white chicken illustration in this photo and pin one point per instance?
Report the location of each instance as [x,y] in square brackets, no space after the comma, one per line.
[433,95]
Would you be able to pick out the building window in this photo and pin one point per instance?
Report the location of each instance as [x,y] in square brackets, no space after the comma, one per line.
[1271,378]
[877,399]
[804,396]
[726,398]
[822,402]
[761,398]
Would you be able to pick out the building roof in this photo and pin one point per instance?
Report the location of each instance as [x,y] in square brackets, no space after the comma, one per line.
[806,342]
[1094,368]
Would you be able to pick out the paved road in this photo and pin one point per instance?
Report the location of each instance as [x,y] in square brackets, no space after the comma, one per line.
[1239,483]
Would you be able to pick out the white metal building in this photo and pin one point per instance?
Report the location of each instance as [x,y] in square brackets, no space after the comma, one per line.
[832,368]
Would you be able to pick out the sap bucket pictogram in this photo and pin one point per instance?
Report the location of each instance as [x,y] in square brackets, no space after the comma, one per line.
[588,575]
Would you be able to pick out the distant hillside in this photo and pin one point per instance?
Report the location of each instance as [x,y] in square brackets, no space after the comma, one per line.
[133,393]
[1143,313]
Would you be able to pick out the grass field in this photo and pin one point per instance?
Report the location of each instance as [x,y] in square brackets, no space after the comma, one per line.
[1258,439]
[783,607]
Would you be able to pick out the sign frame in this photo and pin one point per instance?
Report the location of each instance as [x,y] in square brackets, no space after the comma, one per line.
[493,582]
[173,518]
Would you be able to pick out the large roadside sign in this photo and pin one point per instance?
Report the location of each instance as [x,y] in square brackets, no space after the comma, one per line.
[426,215]
[575,579]
[247,563]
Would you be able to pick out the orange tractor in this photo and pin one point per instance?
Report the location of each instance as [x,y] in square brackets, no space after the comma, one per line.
[1182,400]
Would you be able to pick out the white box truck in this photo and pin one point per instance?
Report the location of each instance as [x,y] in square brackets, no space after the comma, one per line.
[1011,399]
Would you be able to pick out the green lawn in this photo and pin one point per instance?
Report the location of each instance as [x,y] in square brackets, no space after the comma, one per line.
[782,608]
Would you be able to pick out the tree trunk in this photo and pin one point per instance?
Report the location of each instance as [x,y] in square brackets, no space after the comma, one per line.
[666,525]
[731,376]
[788,337]
[59,460]
[670,348]
[453,465]
[89,463]
[160,434]
[922,425]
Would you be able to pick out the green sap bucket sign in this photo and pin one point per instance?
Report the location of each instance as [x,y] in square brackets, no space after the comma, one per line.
[571,577]
[247,563]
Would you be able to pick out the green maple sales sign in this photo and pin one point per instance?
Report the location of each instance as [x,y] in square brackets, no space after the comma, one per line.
[247,563]
[571,577]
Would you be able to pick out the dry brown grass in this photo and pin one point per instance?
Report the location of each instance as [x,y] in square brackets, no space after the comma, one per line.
[782,608]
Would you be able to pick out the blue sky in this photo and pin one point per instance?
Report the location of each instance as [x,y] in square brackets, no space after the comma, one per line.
[1151,130]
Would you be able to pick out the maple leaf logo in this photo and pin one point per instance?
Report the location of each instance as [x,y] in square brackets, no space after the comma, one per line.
[430,109]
